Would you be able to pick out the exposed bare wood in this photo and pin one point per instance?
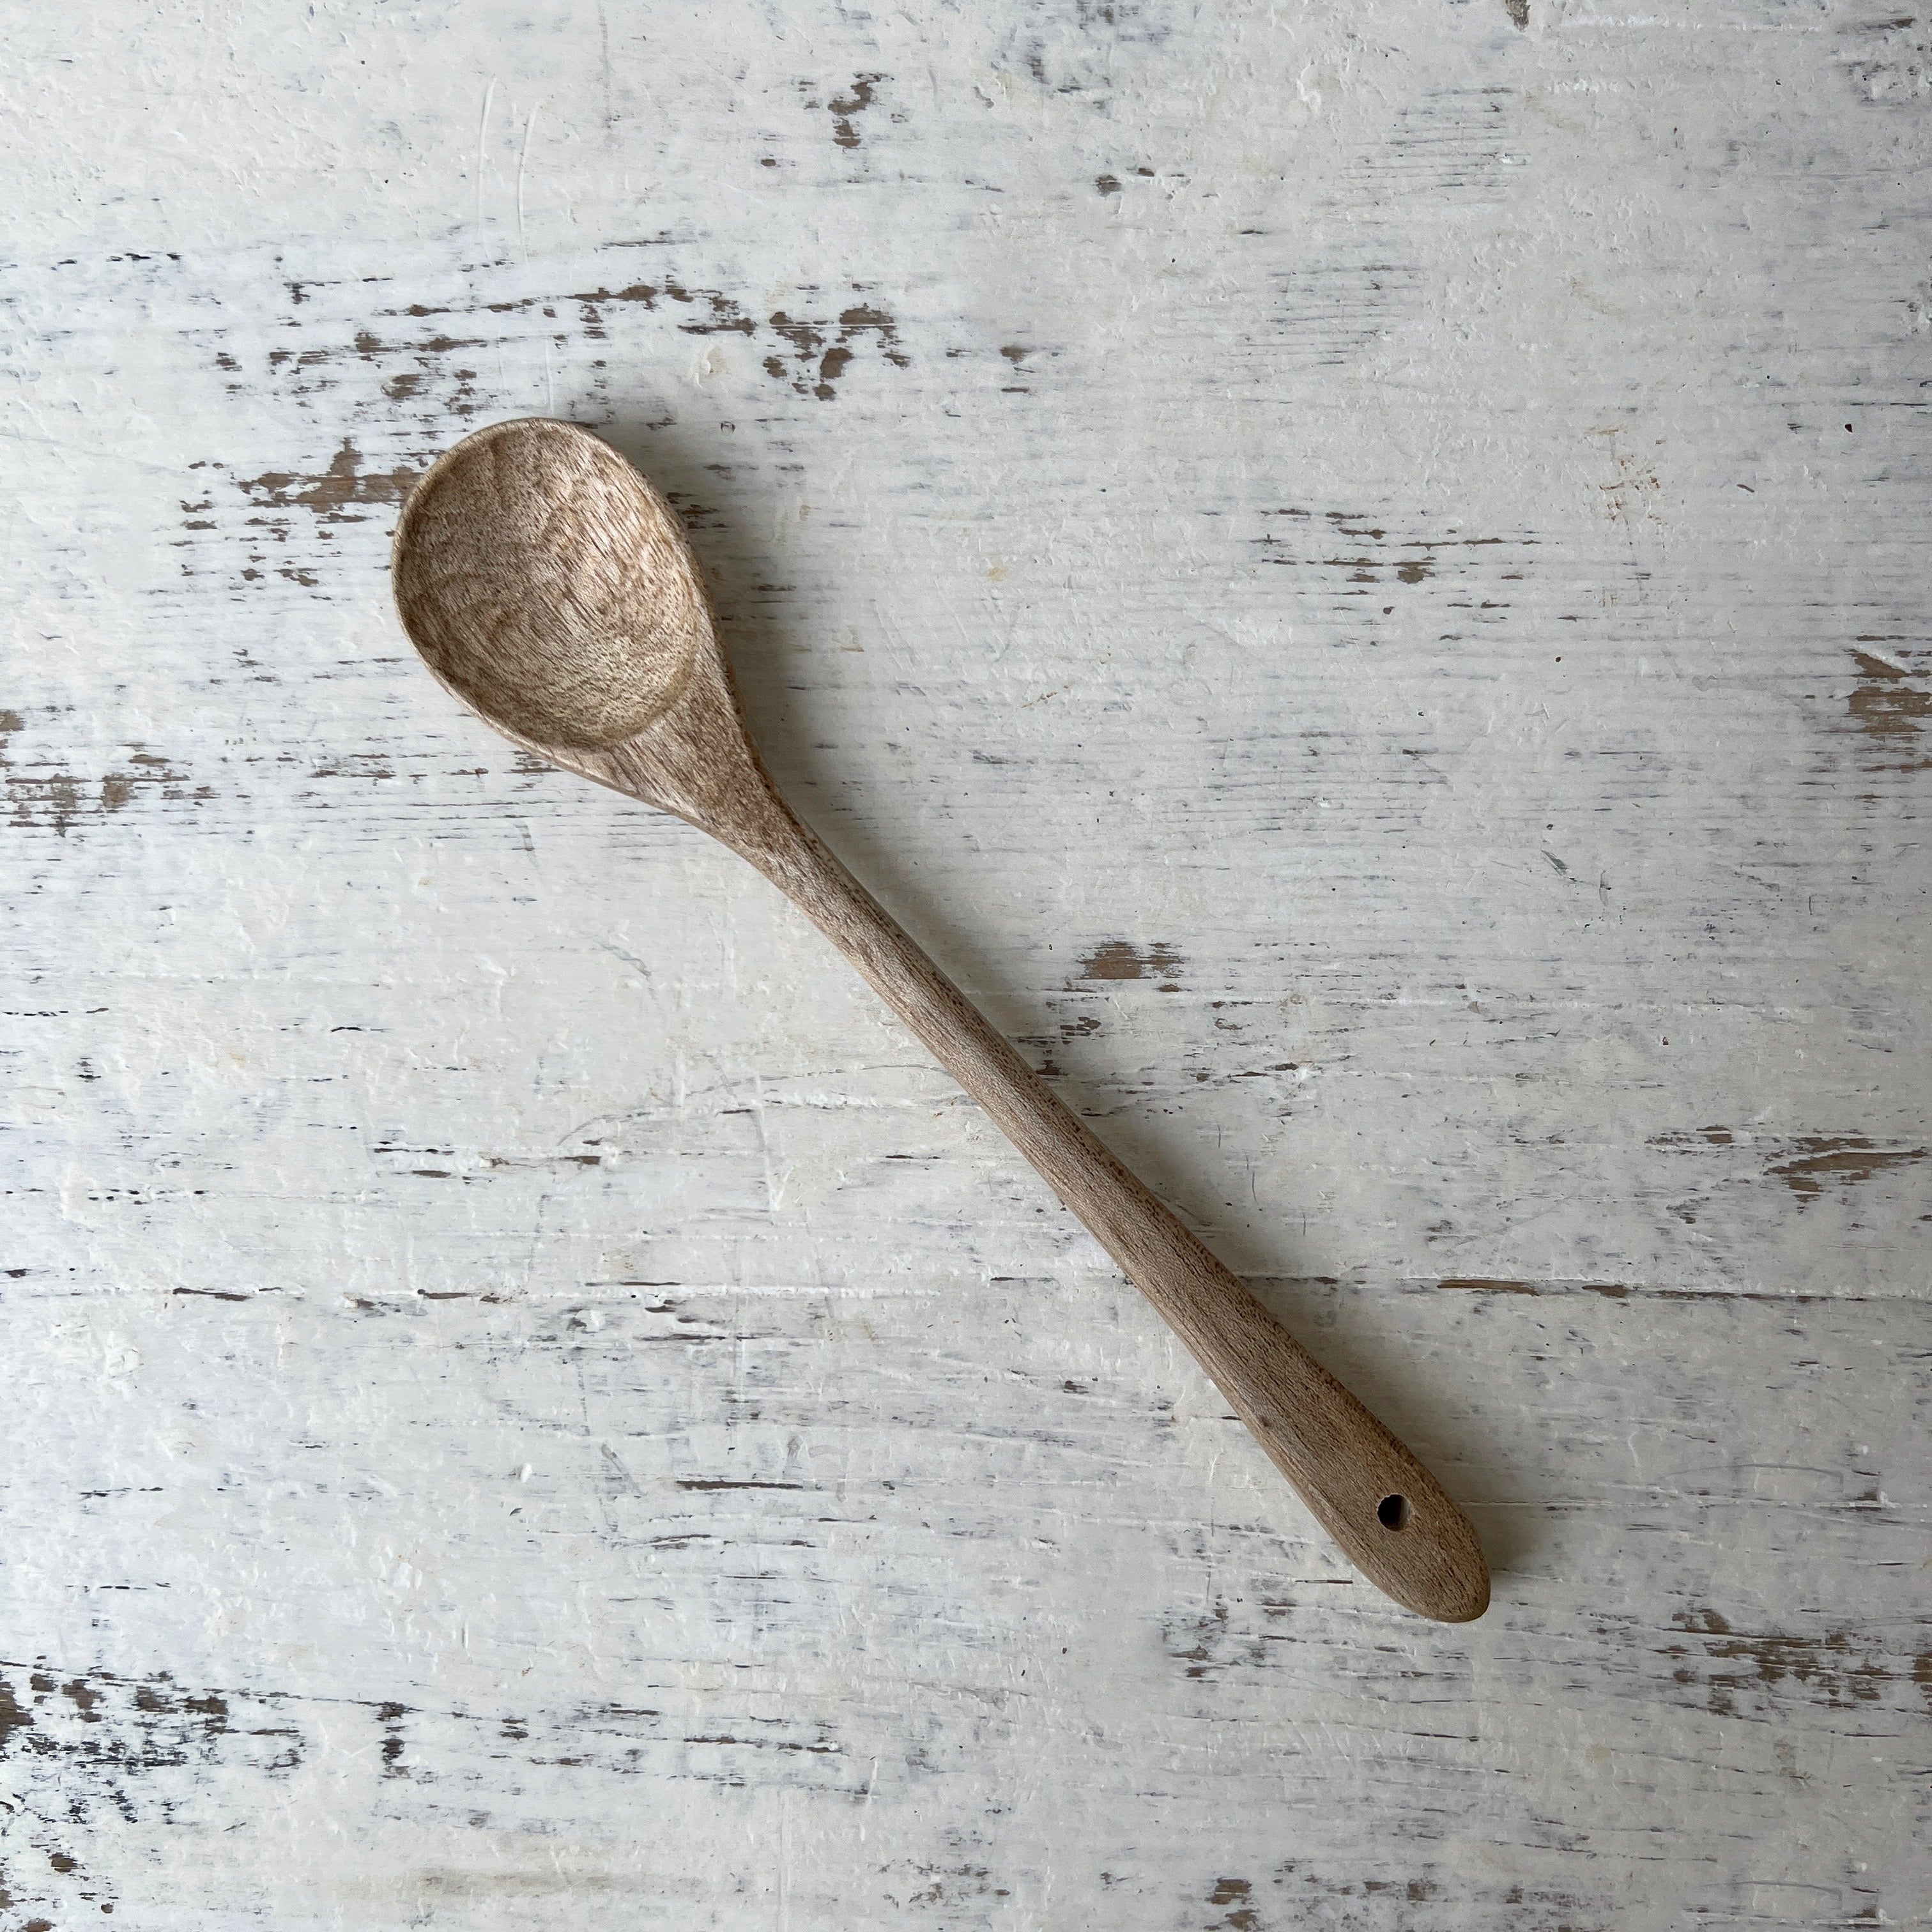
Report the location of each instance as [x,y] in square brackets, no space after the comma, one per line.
[1356,576]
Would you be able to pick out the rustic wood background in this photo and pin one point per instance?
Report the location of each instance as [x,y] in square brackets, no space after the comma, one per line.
[1359,574]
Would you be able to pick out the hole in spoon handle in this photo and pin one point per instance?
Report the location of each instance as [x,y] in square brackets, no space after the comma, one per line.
[1392,1519]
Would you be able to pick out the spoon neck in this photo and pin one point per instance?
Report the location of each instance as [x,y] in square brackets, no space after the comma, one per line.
[698,763]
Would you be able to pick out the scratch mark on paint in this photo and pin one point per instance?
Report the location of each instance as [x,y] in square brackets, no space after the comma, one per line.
[523,170]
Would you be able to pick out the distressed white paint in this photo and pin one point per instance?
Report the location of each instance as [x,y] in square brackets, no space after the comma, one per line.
[528,1396]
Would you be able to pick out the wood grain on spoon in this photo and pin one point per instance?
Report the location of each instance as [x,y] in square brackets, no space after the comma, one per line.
[552,589]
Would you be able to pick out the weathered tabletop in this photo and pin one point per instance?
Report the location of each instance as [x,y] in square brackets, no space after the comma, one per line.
[1359,574]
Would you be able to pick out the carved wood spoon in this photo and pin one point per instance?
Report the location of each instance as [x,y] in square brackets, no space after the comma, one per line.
[549,586]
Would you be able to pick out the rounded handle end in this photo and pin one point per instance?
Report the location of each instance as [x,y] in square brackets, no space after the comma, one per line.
[1451,1584]
[1414,1544]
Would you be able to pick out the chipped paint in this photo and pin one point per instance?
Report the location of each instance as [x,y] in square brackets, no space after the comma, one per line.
[1359,575]
[1891,710]
[1823,1161]
[344,487]
[1121,959]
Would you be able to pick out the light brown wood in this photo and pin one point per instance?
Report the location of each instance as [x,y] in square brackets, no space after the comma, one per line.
[550,587]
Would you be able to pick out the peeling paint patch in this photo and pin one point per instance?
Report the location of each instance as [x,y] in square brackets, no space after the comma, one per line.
[845,110]
[846,107]
[1122,959]
[47,795]
[808,344]
[1822,1161]
[13,1717]
[1807,1164]
[1838,1668]
[1890,711]
[1019,356]
[344,486]
[1237,1894]
[1380,553]
[107,1744]
[822,352]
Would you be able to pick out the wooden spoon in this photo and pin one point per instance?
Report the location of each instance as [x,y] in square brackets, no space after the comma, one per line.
[549,586]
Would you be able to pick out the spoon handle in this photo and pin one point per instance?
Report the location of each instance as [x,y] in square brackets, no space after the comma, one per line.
[1368,1491]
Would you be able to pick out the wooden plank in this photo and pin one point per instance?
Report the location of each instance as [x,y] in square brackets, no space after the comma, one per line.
[894,1594]
[1358,576]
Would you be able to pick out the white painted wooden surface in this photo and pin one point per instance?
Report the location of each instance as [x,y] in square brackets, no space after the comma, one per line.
[1359,574]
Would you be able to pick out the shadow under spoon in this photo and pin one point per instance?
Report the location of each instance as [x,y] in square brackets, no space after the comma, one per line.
[551,588]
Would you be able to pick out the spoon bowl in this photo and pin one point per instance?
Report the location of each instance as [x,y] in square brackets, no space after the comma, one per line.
[551,588]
